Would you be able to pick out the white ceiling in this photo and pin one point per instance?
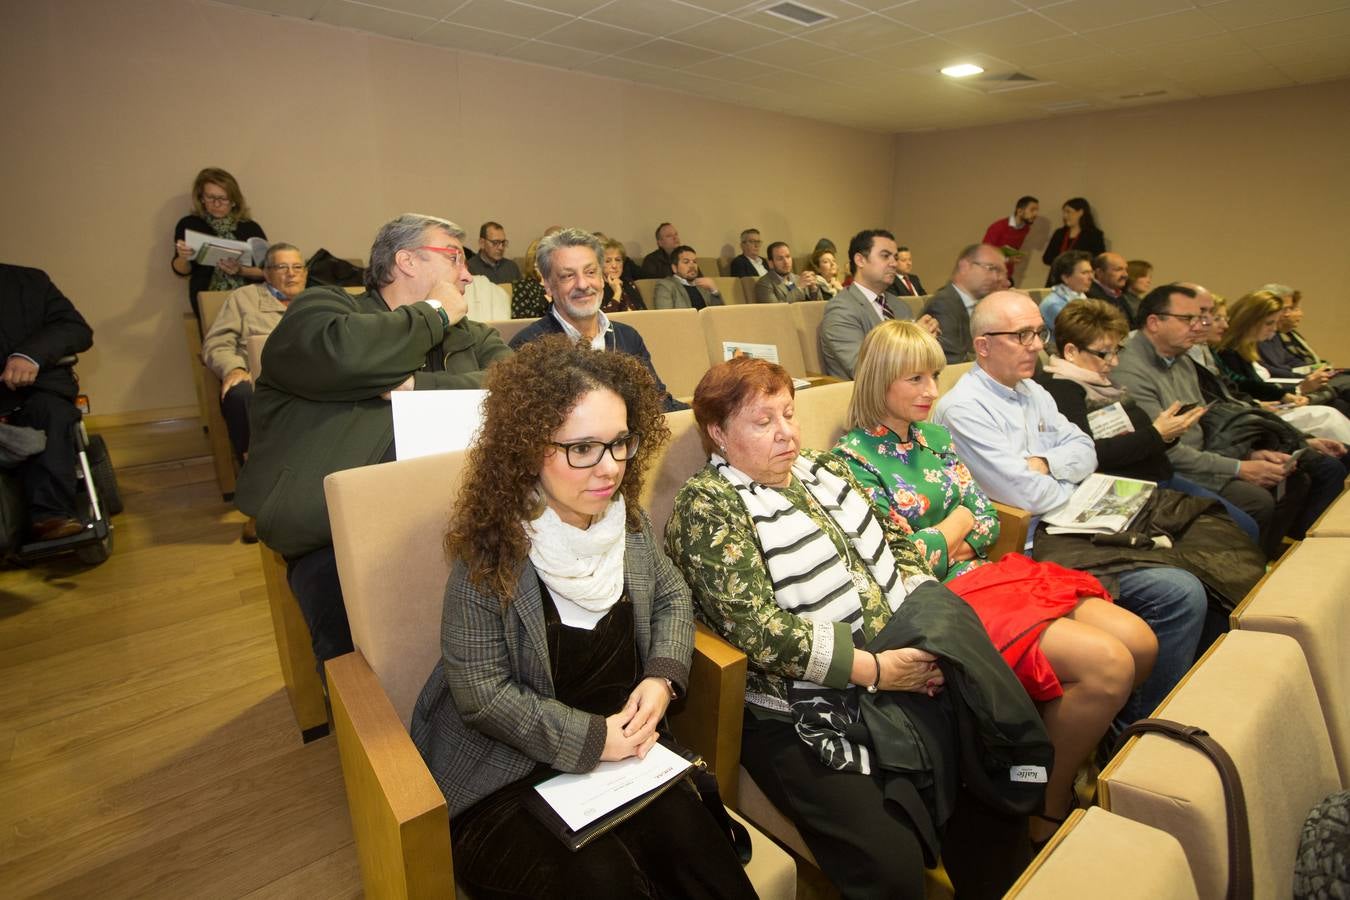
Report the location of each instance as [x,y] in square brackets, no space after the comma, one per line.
[874,64]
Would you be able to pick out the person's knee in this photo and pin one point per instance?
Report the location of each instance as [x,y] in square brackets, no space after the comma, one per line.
[1256,502]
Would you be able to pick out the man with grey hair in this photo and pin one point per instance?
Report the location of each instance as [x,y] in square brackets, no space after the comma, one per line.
[749,263]
[975,276]
[249,311]
[322,401]
[569,263]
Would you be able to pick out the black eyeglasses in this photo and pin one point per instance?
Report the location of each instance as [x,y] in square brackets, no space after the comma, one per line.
[1026,337]
[587,454]
[1104,355]
[1190,321]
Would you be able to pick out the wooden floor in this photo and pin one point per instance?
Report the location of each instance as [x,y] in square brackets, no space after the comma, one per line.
[146,745]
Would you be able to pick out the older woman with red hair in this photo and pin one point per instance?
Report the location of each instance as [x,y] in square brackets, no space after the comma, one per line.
[840,614]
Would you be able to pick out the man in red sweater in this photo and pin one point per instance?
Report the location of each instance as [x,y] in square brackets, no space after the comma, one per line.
[1008,234]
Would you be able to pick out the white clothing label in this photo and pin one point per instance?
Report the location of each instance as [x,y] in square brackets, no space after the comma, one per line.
[1027,774]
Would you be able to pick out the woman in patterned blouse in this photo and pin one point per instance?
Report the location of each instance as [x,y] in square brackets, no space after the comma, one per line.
[1077,654]
[787,561]
[528,299]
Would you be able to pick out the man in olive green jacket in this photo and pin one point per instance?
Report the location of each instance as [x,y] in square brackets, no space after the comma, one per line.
[322,400]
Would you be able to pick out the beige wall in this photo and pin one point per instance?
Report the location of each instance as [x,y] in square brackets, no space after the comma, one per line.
[1232,192]
[113,107]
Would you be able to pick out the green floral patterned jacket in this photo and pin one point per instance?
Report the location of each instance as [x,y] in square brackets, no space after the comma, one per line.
[713,542]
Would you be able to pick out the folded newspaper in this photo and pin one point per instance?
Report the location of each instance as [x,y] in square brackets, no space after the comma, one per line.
[1103,504]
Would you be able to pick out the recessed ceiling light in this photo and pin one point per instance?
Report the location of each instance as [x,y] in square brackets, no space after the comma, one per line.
[963,70]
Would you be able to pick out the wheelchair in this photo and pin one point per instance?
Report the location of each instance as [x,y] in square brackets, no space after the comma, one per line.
[97,500]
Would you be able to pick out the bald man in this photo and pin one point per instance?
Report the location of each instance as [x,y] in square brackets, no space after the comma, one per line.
[1024,452]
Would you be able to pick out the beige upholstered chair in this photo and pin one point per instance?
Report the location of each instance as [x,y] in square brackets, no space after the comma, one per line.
[950,375]
[916,304]
[1304,597]
[209,304]
[730,289]
[709,266]
[1335,522]
[673,338]
[1254,694]
[1037,294]
[254,344]
[1107,857]
[509,328]
[806,317]
[388,521]
[748,287]
[754,323]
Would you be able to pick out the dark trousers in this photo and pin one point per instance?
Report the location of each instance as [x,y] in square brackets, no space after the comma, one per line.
[234,407]
[1326,479]
[314,581]
[49,477]
[865,845]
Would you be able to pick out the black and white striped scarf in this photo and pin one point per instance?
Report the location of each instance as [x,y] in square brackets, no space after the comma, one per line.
[811,580]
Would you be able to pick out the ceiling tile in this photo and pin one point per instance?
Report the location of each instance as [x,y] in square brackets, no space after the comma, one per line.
[300,9]
[671,54]
[372,19]
[1007,33]
[1243,13]
[792,53]
[925,51]
[1056,50]
[553,55]
[1088,15]
[615,67]
[1325,48]
[568,7]
[870,32]
[1232,84]
[1309,71]
[434,9]
[508,17]
[1305,29]
[731,68]
[789,82]
[1157,30]
[837,10]
[651,16]
[1201,49]
[943,15]
[595,37]
[465,37]
[721,6]
[728,35]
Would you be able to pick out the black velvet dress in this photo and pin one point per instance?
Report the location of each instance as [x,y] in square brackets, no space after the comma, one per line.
[673,848]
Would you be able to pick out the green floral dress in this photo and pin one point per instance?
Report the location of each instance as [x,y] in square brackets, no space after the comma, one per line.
[916,483]
[713,542]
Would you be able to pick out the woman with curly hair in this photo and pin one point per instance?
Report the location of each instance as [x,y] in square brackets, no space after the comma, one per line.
[566,632]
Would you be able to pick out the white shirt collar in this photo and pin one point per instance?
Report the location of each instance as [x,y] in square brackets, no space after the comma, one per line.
[966,299]
[869,294]
[597,342]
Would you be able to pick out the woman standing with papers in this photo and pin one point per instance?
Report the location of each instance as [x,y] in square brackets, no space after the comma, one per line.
[566,633]
[218,210]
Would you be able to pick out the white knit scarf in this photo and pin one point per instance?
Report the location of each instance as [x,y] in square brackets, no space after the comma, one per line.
[582,568]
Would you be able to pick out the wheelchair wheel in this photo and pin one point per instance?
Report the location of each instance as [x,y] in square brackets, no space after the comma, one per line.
[105,480]
[94,554]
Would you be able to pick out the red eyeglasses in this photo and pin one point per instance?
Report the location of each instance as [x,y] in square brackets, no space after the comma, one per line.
[453,252]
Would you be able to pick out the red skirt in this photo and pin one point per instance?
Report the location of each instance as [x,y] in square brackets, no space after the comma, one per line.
[1017,598]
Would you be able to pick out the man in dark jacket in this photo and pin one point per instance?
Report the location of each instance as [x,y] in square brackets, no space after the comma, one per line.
[569,264]
[39,326]
[322,401]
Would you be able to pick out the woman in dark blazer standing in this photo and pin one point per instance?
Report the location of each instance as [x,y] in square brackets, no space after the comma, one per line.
[1079,232]
[566,632]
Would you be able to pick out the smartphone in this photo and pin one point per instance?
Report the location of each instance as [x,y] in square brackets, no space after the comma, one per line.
[1293,459]
[1187,407]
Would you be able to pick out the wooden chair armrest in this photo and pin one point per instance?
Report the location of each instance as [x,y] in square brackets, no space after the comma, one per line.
[1013,522]
[708,718]
[399,817]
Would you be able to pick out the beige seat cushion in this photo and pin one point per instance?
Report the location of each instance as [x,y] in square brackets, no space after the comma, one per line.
[647,288]
[673,337]
[806,318]
[680,459]
[754,323]
[822,414]
[209,305]
[509,328]
[1253,692]
[729,286]
[1107,857]
[1335,522]
[772,870]
[253,345]
[950,375]
[748,287]
[388,524]
[755,806]
[1304,597]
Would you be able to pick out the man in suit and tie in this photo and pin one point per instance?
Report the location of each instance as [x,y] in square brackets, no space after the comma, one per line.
[749,263]
[906,283]
[780,285]
[978,273]
[862,306]
[685,288]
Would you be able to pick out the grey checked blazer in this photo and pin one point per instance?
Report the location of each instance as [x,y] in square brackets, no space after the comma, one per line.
[849,315]
[487,714]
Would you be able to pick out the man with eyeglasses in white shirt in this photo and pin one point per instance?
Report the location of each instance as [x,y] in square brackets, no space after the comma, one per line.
[321,404]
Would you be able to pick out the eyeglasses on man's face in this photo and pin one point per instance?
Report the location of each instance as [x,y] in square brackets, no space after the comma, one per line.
[988,267]
[456,254]
[587,454]
[499,243]
[287,267]
[1190,321]
[1025,336]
